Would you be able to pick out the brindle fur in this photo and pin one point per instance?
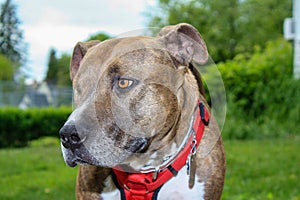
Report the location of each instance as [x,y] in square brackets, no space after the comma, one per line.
[169,89]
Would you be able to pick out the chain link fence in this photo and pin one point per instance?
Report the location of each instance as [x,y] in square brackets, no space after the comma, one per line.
[35,95]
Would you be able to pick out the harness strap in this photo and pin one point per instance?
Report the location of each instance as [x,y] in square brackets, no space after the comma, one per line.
[145,186]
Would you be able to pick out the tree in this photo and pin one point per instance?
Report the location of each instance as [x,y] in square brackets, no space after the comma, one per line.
[52,72]
[262,21]
[58,67]
[99,36]
[11,37]
[6,69]
[63,75]
[229,27]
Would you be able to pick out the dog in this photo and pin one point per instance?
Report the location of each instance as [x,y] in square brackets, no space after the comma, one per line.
[141,127]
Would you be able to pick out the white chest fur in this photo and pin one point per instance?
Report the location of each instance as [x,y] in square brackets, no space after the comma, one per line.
[175,189]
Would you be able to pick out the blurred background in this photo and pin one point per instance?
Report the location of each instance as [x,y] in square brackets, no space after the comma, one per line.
[254,43]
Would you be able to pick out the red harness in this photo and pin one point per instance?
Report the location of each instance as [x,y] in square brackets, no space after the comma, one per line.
[145,186]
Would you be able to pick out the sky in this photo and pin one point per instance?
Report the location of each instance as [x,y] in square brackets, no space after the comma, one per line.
[60,24]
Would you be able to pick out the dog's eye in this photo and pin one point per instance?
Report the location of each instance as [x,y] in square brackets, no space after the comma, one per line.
[124,83]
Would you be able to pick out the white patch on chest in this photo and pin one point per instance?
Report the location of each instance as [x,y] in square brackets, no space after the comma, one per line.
[177,188]
[114,195]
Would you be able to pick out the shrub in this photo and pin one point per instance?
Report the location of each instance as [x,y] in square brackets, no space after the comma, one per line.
[263,98]
[243,77]
[6,68]
[18,127]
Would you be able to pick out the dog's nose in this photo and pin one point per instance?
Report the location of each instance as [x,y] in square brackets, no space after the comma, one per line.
[69,137]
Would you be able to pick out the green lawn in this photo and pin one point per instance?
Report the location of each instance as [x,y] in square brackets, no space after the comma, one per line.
[266,169]
[263,169]
[36,173]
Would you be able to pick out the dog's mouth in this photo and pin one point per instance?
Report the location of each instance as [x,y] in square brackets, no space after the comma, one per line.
[75,162]
[77,156]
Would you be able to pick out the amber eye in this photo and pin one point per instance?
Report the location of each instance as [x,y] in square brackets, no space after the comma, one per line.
[124,83]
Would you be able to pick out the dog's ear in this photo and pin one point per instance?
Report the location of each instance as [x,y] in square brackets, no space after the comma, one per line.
[184,43]
[79,51]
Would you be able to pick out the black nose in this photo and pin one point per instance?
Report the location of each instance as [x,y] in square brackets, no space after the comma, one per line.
[69,137]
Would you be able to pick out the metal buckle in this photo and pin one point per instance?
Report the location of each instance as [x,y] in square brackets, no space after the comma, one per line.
[192,152]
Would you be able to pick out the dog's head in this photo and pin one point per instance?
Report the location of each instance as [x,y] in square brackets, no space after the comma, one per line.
[132,95]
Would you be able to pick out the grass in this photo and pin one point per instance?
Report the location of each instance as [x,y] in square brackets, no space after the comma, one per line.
[36,172]
[257,169]
[263,169]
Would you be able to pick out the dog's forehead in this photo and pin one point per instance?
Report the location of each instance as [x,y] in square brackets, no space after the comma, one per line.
[145,60]
[134,50]
[127,54]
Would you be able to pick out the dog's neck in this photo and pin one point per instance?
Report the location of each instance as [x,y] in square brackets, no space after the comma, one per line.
[146,183]
[170,158]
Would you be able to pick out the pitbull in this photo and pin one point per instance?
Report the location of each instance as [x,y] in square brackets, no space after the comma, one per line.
[141,127]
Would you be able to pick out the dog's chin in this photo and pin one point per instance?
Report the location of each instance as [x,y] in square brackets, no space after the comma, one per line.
[75,162]
[82,157]
[72,160]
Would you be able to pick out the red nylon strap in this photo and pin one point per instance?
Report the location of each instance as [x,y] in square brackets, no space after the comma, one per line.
[141,186]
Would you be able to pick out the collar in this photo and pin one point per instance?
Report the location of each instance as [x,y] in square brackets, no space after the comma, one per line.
[147,185]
